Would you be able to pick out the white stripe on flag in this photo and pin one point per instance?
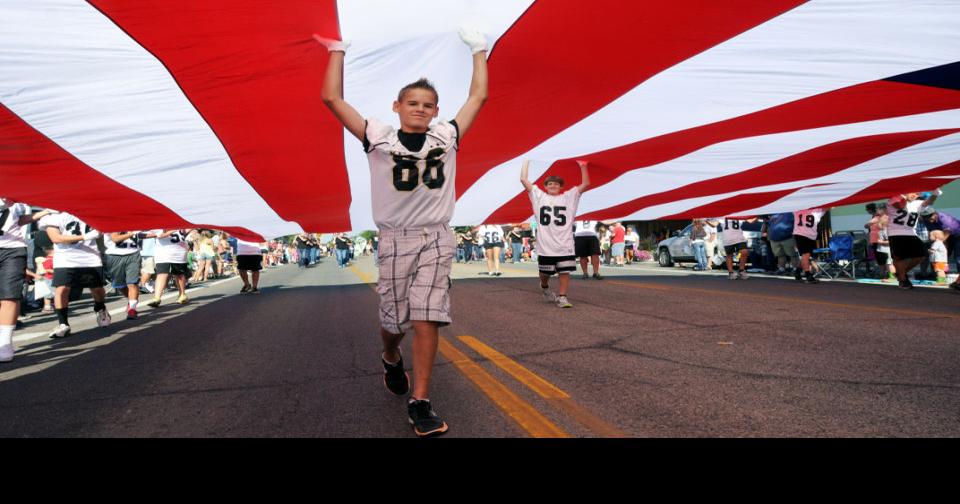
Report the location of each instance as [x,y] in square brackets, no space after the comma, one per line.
[77,78]
[818,47]
[396,43]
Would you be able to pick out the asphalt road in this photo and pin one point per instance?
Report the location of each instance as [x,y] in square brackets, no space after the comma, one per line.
[646,352]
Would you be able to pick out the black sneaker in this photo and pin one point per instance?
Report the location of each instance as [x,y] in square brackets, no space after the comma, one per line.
[597,276]
[906,285]
[395,378]
[811,279]
[955,286]
[798,274]
[254,290]
[424,421]
[245,289]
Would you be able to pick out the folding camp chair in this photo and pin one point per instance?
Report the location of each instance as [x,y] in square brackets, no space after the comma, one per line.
[841,260]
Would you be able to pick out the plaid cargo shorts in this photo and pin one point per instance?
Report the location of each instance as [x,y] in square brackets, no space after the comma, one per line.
[414,281]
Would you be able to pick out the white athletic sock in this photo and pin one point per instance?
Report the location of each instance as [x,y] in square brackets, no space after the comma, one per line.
[133,304]
[6,334]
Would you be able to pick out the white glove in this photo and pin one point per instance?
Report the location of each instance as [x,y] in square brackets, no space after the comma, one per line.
[332,44]
[91,235]
[938,192]
[473,38]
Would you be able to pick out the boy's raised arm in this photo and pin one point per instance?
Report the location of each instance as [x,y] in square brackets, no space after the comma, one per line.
[523,176]
[584,176]
[478,83]
[332,93]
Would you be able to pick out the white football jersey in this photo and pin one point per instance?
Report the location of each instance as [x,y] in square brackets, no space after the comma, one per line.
[129,246]
[585,228]
[247,248]
[412,189]
[171,249]
[490,234]
[731,232]
[83,254]
[554,216]
[805,222]
[11,232]
[903,222]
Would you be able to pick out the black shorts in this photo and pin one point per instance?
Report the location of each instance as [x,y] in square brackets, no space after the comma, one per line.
[804,245]
[736,247]
[490,246]
[557,264]
[586,246]
[173,269]
[250,262]
[628,246]
[907,247]
[13,265]
[90,278]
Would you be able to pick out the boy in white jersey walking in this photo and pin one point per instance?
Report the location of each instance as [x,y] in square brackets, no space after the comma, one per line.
[805,224]
[492,237]
[124,266]
[586,244]
[249,259]
[555,212]
[76,263]
[734,242]
[906,247]
[13,264]
[171,258]
[412,175]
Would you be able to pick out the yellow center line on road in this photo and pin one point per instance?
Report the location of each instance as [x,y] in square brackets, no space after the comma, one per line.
[542,387]
[522,412]
[519,410]
[645,285]
[555,396]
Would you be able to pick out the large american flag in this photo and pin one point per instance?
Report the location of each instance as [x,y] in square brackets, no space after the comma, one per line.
[136,114]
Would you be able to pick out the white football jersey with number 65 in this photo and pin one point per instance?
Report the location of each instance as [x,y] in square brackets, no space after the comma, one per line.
[555,217]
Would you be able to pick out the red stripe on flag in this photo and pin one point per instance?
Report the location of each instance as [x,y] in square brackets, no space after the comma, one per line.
[254,73]
[39,172]
[730,206]
[865,102]
[596,65]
